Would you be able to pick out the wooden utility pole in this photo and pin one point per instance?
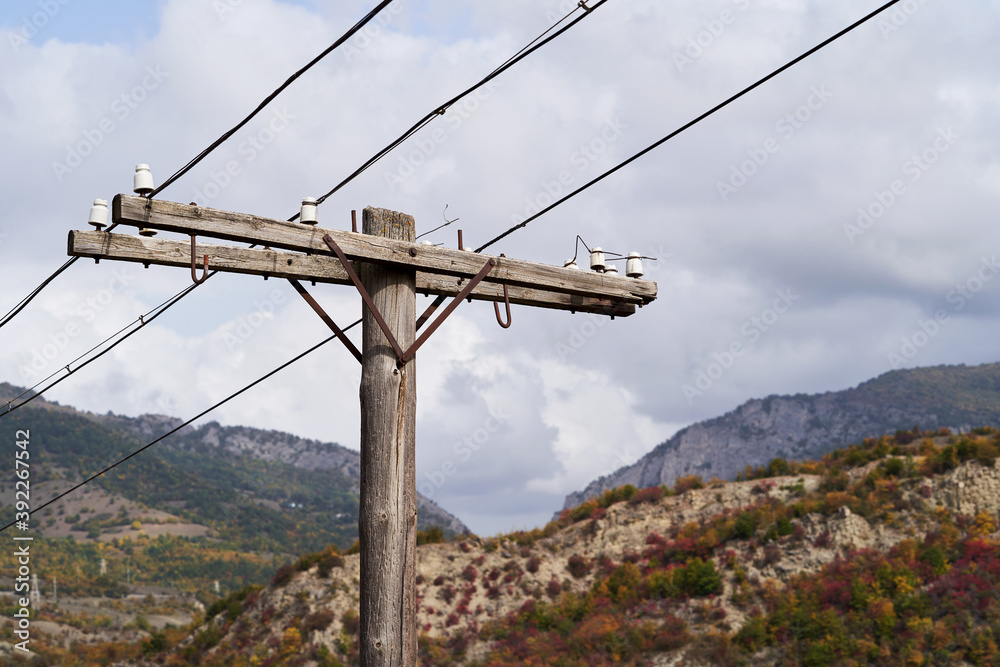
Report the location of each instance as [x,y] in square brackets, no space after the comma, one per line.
[391,270]
[387,523]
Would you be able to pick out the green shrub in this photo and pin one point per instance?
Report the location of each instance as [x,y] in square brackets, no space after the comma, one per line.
[698,578]
[433,535]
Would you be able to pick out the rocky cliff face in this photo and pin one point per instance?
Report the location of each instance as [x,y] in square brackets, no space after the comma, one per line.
[277,446]
[257,443]
[806,427]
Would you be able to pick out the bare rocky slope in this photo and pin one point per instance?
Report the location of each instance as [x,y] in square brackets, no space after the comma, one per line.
[473,595]
[808,426]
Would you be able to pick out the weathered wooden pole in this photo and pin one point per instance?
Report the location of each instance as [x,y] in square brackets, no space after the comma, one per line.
[387,522]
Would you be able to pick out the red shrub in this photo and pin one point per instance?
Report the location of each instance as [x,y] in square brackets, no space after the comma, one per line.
[318,620]
[554,588]
[651,495]
[823,541]
[579,566]
[763,487]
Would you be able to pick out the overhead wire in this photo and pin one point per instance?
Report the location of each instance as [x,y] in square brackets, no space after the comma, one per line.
[267,100]
[177,428]
[142,320]
[22,304]
[203,154]
[692,123]
[440,110]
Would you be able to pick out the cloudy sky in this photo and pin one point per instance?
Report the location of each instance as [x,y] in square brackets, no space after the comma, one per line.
[836,223]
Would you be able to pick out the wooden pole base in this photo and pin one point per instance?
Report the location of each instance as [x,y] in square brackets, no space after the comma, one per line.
[388,514]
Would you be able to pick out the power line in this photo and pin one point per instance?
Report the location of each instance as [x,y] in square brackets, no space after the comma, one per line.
[12,313]
[143,320]
[267,100]
[22,304]
[693,122]
[188,422]
[439,110]
[201,156]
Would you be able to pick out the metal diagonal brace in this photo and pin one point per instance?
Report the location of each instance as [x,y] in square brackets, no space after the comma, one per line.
[411,352]
[483,272]
[326,318]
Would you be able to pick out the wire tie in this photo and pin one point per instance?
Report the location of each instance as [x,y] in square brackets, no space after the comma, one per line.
[583,3]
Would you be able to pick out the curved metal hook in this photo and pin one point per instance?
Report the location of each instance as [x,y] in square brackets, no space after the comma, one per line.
[496,308]
[204,267]
[446,220]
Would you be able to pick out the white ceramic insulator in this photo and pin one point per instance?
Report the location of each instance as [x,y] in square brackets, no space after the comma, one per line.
[309,213]
[142,182]
[633,267]
[597,259]
[99,213]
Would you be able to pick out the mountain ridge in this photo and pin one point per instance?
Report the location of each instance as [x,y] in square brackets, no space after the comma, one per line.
[261,444]
[806,426]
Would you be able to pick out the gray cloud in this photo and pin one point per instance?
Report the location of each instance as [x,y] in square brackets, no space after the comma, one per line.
[620,387]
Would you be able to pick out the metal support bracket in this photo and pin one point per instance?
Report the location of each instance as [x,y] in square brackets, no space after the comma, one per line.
[204,268]
[326,318]
[412,351]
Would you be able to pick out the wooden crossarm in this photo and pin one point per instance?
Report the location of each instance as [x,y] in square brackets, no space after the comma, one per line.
[439,261]
[318,268]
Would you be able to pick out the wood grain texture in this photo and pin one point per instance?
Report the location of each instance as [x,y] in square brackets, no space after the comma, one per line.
[187,219]
[318,268]
[387,522]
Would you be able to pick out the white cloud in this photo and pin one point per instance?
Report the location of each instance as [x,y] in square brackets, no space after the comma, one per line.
[784,228]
